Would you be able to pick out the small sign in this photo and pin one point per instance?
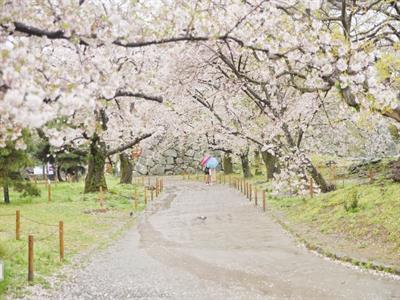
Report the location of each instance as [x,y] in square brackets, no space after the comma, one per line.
[1,271]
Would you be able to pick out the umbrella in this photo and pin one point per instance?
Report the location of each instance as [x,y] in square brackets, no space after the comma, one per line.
[204,160]
[212,163]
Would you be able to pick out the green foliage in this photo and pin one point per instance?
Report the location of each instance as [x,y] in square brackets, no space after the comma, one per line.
[12,163]
[351,202]
[394,132]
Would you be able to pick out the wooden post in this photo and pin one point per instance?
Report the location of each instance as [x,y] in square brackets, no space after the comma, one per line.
[145,196]
[250,192]
[224,178]
[101,197]
[255,196]
[263,199]
[17,224]
[157,187]
[334,173]
[135,199]
[30,257]
[162,184]
[49,192]
[370,176]
[61,237]
[311,188]
[148,180]
[151,195]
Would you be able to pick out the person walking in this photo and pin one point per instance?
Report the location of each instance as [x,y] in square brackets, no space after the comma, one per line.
[209,164]
[207,175]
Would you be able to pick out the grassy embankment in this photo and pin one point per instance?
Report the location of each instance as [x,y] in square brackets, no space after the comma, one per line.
[359,221]
[84,227]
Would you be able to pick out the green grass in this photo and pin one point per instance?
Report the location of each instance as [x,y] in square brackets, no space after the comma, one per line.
[82,225]
[376,217]
[365,216]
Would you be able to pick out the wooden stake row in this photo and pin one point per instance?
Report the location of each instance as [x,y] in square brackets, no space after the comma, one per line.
[158,189]
[31,250]
[249,191]
[154,191]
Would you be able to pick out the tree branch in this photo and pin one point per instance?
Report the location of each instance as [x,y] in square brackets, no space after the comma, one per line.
[136,141]
[53,35]
[119,94]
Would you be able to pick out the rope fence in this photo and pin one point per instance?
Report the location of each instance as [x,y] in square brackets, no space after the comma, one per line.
[37,222]
[34,237]
[30,244]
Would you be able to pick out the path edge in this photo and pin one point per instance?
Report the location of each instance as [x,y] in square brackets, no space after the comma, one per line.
[366,265]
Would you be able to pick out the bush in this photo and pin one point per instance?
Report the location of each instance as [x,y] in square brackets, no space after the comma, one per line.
[395,172]
[351,204]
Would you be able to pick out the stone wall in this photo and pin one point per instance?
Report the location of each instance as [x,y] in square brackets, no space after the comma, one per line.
[170,162]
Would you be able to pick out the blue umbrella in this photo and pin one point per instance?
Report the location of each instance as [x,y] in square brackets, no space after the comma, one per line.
[212,163]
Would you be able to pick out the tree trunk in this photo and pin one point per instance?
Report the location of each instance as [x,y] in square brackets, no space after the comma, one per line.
[245,165]
[126,169]
[257,163]
[319,179]
[6,192]
[228,165]
[97,158]
[271,163]
[59,177]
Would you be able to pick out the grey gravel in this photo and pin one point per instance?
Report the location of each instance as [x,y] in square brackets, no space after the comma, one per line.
[235,252]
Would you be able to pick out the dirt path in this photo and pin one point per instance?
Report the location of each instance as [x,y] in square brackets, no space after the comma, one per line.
[237,252]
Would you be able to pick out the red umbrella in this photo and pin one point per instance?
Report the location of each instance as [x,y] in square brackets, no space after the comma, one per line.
[204,160]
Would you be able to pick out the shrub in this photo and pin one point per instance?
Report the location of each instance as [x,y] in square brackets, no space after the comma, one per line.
[351,204]
[395,174]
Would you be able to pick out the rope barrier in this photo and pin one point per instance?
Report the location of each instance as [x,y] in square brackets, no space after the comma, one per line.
[37,222]
[9,215]
[47,236]
[121,195]
[20,248]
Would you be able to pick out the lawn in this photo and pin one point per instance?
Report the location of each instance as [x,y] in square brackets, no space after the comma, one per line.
[84,226]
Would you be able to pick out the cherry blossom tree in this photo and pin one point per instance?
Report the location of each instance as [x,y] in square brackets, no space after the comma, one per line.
[261,71]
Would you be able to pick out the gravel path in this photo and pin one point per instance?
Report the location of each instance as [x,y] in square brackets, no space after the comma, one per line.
[237,252]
